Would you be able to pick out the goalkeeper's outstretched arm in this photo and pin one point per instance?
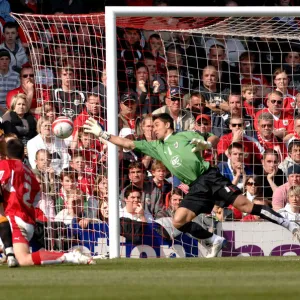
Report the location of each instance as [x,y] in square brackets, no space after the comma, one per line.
[92,126]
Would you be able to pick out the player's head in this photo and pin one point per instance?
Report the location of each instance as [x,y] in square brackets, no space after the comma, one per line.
[163,125]
[15,149]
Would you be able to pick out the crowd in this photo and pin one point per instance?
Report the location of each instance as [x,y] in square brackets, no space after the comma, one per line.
[241,94]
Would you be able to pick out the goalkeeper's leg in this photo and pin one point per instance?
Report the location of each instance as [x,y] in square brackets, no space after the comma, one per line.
[182,221]
[267,213]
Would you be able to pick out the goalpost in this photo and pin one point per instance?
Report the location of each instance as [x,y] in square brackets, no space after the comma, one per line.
[234,21]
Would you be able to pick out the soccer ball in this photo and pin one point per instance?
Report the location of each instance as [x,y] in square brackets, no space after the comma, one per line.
[62,127]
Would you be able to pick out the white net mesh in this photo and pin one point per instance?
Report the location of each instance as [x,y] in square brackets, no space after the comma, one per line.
[68,57]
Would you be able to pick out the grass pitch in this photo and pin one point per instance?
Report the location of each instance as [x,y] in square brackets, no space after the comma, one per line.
[219,278]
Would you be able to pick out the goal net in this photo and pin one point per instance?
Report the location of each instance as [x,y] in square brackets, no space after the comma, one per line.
[212,75]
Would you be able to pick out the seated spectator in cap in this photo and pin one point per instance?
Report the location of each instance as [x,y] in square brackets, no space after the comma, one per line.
[9,79]
[234,169]
[133,208]
[280,196]
[19,120]
[183,119]
[127,114]
[17,53]
[45,139]
[291,211]
[196,104]
[28,87]
[203,127]
[252,152]
[265,137]
[293,157]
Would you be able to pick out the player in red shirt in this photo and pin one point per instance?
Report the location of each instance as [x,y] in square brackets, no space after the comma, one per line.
[21,192]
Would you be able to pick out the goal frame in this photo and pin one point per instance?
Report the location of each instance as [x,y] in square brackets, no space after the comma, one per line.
[111,14]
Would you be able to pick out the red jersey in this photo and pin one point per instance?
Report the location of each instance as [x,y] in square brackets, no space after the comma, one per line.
[250,109]
[252,154]
[289,101]
[21,190]
[34,104]
[254,80]
[283,121]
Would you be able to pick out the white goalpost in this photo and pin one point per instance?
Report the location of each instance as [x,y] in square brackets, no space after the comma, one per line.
[111,14]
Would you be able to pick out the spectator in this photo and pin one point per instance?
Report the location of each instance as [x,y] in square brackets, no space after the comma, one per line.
[48,111]
[158,179]
[17,53]
[133,206]
[253,187]
[281,81]
[234,169]
[280,196]
[233,47]
[175,197]
[46,140]
[249,95]
[68,182]
[127,115]
[5,11]
[292,67]
[216,99]
[67,100]
[43,74]
[196,104]
[100,89]
[28,87]
[291,211]
[151,197]
[271,176]
[45,171]
[266,138]
[252,152]
[227,75]
[203,127]
[9,79]
[92,108]
[19,120]
[183,119]
[247,66]
[293,157]
[283,123]
[296,134]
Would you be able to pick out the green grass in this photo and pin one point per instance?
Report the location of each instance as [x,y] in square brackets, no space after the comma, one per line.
[220,278]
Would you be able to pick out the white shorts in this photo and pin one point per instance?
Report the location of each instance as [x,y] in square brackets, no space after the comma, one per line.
[22,232]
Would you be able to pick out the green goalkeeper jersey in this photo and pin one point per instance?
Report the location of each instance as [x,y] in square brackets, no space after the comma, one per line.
[176,154]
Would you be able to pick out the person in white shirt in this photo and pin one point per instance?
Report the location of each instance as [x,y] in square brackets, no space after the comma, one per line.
[291,210]
[133,208]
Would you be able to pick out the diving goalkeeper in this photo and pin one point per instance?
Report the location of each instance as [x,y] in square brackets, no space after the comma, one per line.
[181,154]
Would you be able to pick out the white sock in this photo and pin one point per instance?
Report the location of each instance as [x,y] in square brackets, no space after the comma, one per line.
[9,250]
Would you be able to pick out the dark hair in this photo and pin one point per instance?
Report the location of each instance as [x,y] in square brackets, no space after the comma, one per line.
[217,46]
[131,189]
[173,68]
[270,151]
[154,36]
[148,55]
[293,143]
[68,173]
[247,55]
[165,118]
[135,165]
[15,149]
[235,145]
[10,25]
[177,191]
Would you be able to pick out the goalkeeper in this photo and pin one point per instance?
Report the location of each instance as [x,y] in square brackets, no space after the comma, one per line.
[181,154]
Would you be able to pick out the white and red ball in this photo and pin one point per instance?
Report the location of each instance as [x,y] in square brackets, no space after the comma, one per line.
[62,127]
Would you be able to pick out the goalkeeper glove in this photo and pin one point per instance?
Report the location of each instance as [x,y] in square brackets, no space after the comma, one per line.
[200,145]
[92,126]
